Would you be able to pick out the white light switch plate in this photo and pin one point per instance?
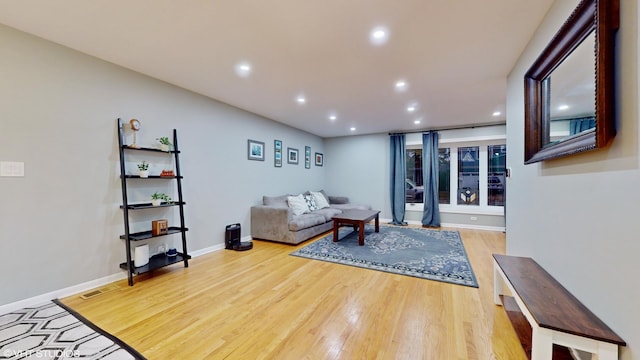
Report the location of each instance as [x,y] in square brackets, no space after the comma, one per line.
[11,168]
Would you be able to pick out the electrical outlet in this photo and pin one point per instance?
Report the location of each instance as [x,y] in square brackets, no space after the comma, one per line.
[474,218]
[161,249]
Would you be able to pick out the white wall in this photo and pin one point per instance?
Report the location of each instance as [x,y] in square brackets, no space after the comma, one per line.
[577,216]
[60,224]
[358,167]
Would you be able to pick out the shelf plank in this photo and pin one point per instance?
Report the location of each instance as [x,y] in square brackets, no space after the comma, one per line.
[523,330]
[156,262]
[150,206]
[127,147]
[144,235]
[153,177]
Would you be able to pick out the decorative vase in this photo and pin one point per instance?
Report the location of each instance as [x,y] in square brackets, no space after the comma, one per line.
[143,173]
[156,202]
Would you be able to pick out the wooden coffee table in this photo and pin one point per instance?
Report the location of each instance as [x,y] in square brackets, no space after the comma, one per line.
[355,218]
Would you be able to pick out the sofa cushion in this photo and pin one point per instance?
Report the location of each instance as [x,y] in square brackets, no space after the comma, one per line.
[328,213]
[299,222]
[338,200]
[277,201]
[297,204]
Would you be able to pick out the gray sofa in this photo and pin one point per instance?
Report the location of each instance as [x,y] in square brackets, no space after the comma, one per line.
[274,220]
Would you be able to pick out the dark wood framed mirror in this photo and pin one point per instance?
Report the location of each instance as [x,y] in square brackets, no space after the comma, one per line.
[569,90]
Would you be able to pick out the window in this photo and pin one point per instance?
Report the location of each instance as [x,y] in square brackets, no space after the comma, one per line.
[469,176]
[415,181]
[496,174]
[444,169]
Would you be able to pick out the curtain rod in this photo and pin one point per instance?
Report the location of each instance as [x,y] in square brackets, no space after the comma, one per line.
[449,128]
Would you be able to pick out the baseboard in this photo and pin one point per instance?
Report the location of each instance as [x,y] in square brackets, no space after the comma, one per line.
[68,291]
[475,227]
[206,250]
[89,285]
[464,226]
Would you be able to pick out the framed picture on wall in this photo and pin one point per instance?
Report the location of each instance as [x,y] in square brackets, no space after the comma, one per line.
[255,150]
[292,156]
[307,157]
[319,159]
[277,153]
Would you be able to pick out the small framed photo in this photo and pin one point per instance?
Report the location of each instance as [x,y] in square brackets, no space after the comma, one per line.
[319,159]
[277,153]
[307,157]
[255,150]
[292,156]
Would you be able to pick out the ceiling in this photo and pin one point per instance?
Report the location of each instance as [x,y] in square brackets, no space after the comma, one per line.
[454,55]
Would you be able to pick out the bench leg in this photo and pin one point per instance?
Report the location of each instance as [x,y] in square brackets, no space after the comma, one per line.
[497,285]
[541,344]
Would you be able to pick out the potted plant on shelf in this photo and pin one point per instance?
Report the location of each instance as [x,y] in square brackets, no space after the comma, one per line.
[157,198]
[143,169]
[164,143]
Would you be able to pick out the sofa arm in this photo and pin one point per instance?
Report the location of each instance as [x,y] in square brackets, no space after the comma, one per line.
[270,222]
[338,200]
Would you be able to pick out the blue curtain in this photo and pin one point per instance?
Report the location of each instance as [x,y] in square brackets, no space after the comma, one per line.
[580,125]
[430,174]
[398,178]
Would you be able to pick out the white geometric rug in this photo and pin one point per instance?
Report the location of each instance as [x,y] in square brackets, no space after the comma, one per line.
[53,331]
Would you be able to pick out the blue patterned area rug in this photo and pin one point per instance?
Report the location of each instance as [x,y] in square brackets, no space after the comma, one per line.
[423,253]
[53,331]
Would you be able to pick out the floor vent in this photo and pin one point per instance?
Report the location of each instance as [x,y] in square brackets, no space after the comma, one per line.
[94,293]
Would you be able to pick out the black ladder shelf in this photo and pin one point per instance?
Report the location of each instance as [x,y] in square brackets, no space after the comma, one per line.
[159,260]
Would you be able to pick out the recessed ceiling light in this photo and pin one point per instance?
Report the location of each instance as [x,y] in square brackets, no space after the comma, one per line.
[243,69]
[332,117]
[301,99]
[497,113]
[401,85]
[563,107]
[352,129]
[417,121]
[379,35]
[412,107]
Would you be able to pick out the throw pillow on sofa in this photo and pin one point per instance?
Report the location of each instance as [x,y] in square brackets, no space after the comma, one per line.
[321,201]
[298,204]
[311,202]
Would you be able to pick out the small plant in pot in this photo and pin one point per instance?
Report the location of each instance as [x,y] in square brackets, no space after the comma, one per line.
[143,169]
[157,198]
[164,143]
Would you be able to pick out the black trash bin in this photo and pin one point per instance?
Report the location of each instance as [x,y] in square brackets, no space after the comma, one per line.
[232,239]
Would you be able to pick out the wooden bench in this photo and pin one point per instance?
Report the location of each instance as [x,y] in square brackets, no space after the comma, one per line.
[555,315]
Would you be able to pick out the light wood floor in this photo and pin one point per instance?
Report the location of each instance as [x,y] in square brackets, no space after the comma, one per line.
[265,304]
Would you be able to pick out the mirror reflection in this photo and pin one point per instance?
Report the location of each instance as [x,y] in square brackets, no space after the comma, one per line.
[572,93]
